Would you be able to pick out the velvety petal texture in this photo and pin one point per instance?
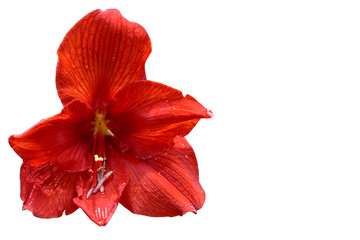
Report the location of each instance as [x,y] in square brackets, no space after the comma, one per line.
[47,191]
[64,139]
[100,207]
[165,185]
[99,55]
[146,116]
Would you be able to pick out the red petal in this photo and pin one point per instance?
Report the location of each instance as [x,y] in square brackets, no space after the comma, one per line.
[64,139]
[100,207]
[166,185]
[99,55]
[47,191]
[146,116]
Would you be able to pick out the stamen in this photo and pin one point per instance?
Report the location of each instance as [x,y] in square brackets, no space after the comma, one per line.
[97,164]
[101,181]
[99,186]
[108,174]
[97,171]
[100,176]
[109,132]
[97,158]
[100,169]
[90,192]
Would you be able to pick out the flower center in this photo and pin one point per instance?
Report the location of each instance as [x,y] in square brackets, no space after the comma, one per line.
[98,171]
[100,124]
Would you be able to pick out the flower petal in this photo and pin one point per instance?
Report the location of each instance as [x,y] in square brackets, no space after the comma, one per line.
[100,207]
[99,55]
[64,139]
[47,191]
[165,185]
[146,116]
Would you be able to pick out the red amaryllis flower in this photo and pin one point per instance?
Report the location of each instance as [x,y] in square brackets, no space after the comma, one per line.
[118,139]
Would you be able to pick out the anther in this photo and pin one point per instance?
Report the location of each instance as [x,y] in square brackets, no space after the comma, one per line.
[108,174]
[90,192]
[100,169]
[109,132]
[101,181]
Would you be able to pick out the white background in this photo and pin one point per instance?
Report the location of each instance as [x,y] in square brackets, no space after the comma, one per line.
[280,159]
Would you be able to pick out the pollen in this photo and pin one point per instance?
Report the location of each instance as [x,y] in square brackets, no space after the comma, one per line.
[97,158]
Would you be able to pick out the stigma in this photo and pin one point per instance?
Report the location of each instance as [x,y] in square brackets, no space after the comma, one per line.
[98,168]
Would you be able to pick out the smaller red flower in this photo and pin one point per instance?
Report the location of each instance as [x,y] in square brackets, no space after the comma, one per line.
[119,138]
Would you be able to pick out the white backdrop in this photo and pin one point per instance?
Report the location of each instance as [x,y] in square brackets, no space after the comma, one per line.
[280,158]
